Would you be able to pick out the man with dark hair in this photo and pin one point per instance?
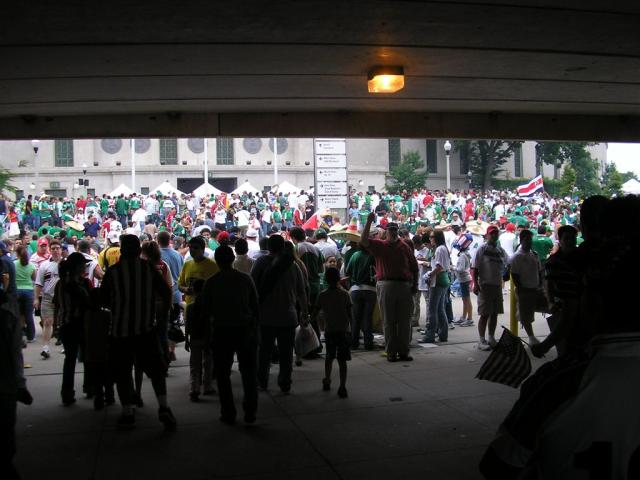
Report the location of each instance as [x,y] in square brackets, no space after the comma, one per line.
[175,262]
[542,244]
[130,289]
[397,275]
[230,302]
[281,292]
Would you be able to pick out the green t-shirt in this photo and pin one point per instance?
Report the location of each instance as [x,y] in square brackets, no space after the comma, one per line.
[121,206]
[213,244]
[542,245]
[288,215]
[23,275]
[51,230]
[277,216]
[104,206]
[135,203]
[45,210]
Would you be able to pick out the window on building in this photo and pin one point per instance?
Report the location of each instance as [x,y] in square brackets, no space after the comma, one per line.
[224,151]
[394,152]
[432,156]
[371,188]
[464,161]
[144,190]
[91,191]
[517,162]
[168,151]
[64,153]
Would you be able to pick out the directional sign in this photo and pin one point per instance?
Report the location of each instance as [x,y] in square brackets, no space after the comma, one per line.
[332,188]
[330,146]
[331,161]
[331,202]
[331,174]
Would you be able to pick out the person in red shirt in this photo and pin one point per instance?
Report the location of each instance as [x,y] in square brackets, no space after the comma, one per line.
[468,210]
[427,200]
[81,203]
[397,282]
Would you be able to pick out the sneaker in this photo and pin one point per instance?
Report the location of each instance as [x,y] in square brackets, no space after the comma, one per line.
[298,363]
[342,392]
[126,422]
[405,358]
[492,342]
[459,321]
[166,418]
[326,384]
[451,326]
[45,354]
[23,396]
[427,340]
[483,345]
[467,323]
[392,358]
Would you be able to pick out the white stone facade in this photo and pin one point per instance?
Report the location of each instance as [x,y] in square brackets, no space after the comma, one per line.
[253,160]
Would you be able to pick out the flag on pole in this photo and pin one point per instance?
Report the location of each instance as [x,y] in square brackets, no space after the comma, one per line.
[534,186]
[508,363]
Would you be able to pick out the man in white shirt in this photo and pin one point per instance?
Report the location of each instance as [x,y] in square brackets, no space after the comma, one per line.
[508,239]
[242,217]
[526,271]
[489,264]
[45,284]
[152,207]
[252,242]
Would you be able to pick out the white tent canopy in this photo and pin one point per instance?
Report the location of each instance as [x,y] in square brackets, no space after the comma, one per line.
[166,189]
[246,187]
[206,189]
[121,189]
[631,186]
[286,188]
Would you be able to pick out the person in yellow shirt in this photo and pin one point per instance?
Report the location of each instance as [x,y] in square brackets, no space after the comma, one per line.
[198,331]
[110,255]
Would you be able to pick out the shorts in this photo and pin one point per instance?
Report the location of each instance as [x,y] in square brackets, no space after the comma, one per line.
[46,307]
[337,345]
[464,289]
[527,304]
[490,301]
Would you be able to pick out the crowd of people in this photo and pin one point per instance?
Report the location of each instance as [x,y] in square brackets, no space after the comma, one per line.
[115,280]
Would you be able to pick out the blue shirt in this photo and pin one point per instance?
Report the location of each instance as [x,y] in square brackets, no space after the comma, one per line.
[175,262]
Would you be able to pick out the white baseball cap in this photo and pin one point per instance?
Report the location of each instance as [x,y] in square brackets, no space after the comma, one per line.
[114,237]
[251,233]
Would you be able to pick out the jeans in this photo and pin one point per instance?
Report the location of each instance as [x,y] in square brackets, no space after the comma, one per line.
[243,342]
[437,315]
[123,220]
[72,338]
[265,228]
[200,366]
[285,337]
[448,306]
[363,303]
[25,304]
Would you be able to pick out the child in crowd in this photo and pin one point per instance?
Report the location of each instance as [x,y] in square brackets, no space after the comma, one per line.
[335,303]
[463,273]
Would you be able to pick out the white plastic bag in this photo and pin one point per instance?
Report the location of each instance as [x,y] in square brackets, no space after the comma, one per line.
[306,340]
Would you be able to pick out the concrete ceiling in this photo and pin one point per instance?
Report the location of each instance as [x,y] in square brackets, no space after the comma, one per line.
[540,69]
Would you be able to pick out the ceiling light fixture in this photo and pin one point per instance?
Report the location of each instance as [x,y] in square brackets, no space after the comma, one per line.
[385,79]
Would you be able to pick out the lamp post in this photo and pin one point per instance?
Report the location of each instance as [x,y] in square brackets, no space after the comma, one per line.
[35,144]
[447,152]
[469,178]
[85,181]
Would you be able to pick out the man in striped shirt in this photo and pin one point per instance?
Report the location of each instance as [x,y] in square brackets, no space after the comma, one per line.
[129,289]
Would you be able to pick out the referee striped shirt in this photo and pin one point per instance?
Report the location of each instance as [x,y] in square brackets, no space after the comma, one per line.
[130,289]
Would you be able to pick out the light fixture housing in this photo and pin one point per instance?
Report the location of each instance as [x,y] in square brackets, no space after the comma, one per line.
[385,79]
[447,147]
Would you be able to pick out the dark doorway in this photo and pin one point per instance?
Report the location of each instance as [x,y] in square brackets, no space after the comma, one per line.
[225,184]
[188,185]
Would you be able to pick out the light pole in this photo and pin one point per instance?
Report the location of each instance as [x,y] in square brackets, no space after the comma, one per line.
[447,152]
[469,178]
[85,181]
[35,144]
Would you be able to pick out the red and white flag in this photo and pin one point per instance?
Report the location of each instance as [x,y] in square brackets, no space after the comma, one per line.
[534,186]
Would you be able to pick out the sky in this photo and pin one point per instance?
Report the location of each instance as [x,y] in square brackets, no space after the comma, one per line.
[626,156]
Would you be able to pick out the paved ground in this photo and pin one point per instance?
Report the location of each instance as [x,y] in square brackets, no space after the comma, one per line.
[428,418]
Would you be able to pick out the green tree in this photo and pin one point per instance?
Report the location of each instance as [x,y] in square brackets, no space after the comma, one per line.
[405,175]
[626,176]
[567,181]
[486,158]
[560,153]
[5,180]
[611,180]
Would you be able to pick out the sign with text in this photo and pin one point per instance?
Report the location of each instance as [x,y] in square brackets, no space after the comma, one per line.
[331,174]
[332,188]
[332,202]
[331,161]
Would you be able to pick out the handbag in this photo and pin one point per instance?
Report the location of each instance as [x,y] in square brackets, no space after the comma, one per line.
[306,340]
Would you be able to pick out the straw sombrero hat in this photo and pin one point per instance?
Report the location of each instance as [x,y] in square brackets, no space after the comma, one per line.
[442,225]
[75,225]
[348,234]
[477,227]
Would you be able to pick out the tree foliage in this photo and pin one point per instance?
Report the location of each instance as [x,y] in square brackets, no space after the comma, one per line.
[626,176]
[611,180]
[568,181]
[405,175]
[576,155]
[486,158]
[5,180]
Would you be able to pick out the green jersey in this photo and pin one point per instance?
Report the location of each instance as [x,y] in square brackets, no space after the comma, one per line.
[104,206]
[542,245]
[121,206]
